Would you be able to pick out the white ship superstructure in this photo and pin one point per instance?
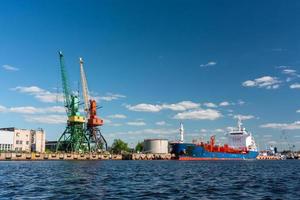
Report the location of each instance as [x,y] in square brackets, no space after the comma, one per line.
[239,138]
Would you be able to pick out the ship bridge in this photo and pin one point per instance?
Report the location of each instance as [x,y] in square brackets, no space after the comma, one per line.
[239,138]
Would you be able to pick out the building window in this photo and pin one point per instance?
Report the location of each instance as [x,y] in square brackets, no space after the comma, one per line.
[21,141]
[27,142]
[17,142]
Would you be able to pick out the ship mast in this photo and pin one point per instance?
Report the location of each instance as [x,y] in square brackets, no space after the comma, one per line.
[240,124]
[181,131]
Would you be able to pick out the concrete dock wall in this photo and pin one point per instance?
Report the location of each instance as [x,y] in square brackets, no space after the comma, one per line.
[76,156]
[58,156]
[149,156]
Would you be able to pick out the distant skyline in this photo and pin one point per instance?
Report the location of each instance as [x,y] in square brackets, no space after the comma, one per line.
[154,64]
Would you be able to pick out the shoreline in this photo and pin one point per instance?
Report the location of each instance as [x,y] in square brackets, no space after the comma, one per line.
[92,156]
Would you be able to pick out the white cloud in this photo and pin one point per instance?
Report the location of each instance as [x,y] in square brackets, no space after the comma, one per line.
[200,114]
[117,116]
[46,119]
[218,130]
[111,96]
[203,130]
[224,103]
[289,71]
[161,123]
[295,86]
[30,89]
[2,108]
[138,123]
[267,82]
[33,110]
[107,121]
[241,102]
[243,117]
[249,83]
[283,126]
[52,97]
[210,105]
[10,68]
[282,67]
[181,106]
[143,107]
[25,110]
[209,64]
[115,124]
[267,136]
[40,94]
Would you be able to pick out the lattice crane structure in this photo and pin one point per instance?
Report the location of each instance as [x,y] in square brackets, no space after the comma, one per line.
[93,124]
[74,138]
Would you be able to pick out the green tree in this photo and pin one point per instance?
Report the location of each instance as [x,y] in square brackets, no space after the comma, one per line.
[119,146]
[139,147]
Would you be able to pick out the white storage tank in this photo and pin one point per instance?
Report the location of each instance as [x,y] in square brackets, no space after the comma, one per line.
[156,146]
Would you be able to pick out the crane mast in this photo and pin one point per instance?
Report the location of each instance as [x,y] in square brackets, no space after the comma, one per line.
[65,86]
[73,139]
[85,90]
[93,121]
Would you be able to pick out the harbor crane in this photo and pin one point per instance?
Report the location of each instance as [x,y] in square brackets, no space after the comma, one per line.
[96,139]
[73,138]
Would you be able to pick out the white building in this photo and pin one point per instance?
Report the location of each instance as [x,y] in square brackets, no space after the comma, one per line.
[13,139]
[6,140]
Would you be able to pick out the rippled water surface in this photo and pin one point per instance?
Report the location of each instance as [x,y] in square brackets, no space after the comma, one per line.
[150,180]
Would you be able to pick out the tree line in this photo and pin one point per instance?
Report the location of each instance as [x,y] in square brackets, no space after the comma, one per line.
[119,146]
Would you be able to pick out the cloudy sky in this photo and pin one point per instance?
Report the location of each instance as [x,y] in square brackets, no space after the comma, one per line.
[152,64]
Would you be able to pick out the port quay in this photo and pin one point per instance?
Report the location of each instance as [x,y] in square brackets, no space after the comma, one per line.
[37,149]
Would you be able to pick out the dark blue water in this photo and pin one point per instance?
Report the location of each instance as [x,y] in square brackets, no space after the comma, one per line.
[150,180]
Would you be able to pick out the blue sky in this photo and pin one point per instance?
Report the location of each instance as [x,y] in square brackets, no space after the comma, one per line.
[152,64]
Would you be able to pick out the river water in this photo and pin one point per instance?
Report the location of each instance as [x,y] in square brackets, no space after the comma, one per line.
[150,179]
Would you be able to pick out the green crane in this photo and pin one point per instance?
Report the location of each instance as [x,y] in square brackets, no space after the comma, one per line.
[73,138]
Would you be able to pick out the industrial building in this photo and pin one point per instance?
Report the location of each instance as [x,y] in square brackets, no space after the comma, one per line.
[156,146]
[51,146]
[19,140]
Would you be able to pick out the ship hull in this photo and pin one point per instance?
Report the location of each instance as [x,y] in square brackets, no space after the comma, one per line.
[189,151]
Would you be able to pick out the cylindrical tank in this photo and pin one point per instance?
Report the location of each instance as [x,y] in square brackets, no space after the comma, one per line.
[156,146]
